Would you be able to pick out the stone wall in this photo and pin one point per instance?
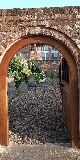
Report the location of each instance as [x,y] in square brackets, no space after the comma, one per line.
[61,22]
[14,22]
[50,66]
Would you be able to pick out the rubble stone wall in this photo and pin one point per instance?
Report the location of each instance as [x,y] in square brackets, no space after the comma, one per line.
[63,23]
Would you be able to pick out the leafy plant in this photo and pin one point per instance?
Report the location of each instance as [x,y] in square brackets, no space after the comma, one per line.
[21,71]
[51,75]
[34,66]
[15,70]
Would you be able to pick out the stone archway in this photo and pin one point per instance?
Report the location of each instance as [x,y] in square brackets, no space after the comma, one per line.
[74,106]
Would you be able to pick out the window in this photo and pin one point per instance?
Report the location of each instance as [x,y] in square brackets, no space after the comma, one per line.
[42,47]
[43,56]
[52,55]
[47,56]
[46,48]
[55,55]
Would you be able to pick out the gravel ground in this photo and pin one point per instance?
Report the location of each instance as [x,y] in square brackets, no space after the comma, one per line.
[37,129]
[36,116]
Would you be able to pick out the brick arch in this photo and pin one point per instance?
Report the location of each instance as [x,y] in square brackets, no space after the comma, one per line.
[43,31]
[73,86]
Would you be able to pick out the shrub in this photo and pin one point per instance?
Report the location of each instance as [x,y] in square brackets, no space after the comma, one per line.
[16,69]
[34,66]
[21,70]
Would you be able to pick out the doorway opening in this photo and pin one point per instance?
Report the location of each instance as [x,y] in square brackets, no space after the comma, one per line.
[72,95]
[35,107]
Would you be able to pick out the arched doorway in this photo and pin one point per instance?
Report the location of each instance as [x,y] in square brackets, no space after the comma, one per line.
[73,85]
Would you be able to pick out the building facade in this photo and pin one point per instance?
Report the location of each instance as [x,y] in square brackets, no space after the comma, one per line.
[39,52]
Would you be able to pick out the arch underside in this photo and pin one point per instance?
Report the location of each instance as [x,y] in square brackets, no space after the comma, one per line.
[73,85]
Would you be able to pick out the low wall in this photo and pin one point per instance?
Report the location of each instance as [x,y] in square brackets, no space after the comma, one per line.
[50,66]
